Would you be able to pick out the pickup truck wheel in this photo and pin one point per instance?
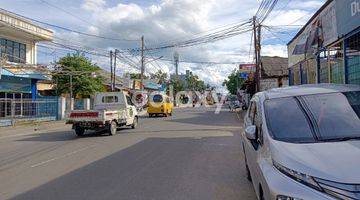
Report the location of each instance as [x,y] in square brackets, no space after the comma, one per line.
[79,131]
[112,128]
[133,126]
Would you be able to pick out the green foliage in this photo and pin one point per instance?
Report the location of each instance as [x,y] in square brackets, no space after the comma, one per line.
[159,75]
[233,82]
[194,83]
[84,84]
[178,85]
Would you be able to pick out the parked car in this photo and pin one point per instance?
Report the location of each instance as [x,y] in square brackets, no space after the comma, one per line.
[232,102]
[303,142]
[160,104]
[111,110]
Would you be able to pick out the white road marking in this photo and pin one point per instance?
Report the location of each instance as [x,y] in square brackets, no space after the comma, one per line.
[60,157]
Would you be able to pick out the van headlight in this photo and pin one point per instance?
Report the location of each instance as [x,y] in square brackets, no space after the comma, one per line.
[298,176]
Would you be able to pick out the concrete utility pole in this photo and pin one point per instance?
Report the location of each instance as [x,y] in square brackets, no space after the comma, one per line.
[256,48]
[176,61]
[111,71]
[114,74]
[259,57]
[142,63]
[71,86]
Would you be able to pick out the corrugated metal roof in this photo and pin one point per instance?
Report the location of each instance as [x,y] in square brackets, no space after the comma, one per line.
[274,66]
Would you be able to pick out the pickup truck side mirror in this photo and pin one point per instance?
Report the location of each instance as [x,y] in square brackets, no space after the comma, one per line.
[250,132]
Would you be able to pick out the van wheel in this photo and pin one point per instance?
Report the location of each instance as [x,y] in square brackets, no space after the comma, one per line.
[133,126]
[112,128]
[170,113]
[79,131]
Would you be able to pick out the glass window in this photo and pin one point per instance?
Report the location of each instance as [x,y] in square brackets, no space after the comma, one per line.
[336,60]
[286,121]
[252,110]
[110,99]
[353,59]
[128,100]
[324,69]
[13,51]
[158,98]
[337,115]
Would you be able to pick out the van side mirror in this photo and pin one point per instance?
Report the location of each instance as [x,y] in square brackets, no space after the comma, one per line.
[250,132]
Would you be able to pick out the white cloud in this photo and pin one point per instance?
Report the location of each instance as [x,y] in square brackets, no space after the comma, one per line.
[93,5]
[306,4]
[174,20]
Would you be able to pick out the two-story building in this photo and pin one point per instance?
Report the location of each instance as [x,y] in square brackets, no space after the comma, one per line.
[327,48]
[18,39]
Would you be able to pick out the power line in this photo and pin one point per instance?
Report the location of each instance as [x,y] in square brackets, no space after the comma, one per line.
[68,29]
[79,18]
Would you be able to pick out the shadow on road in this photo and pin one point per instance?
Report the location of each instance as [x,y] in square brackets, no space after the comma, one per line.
[158,168]
[210,118]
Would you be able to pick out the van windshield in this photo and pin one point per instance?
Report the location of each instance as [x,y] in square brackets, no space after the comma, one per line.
[157,98]
[334,116]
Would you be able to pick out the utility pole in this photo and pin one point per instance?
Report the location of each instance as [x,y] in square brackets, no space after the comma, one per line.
[142,62]
[111,71]
[256,46]
[71,86]
[114,74]
[259,57]
[176,60]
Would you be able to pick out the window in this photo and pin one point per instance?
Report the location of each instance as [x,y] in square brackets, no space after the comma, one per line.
[323,68]
[128,100]
[336,60]
[158,98]
[337,115]
[13,51]
[110,99]
[353,59]
[286,121]
[252,110]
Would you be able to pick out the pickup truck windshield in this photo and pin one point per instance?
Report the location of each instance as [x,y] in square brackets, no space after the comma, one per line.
[335,116]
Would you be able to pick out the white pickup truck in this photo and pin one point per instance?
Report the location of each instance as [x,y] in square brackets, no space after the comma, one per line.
[111,110]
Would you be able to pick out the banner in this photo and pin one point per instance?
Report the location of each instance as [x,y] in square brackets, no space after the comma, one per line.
[348,16]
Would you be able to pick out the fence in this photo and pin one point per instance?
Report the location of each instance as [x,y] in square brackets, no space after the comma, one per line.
[27,109]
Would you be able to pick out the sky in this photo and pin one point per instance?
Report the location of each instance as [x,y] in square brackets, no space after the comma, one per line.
[164,21]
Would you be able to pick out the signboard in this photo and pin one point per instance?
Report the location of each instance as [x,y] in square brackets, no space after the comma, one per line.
[7,18]
[247,67]
[319,33]
[348,16]
[244,75]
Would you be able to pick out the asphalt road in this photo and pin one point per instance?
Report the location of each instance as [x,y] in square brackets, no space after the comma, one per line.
[195,154]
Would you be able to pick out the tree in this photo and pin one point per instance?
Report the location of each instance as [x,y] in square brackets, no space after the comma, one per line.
[177,84]
[194,83]
[233,82]
[81,69]
[160,76]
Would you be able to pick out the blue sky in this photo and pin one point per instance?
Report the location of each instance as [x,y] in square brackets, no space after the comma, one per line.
[167,20]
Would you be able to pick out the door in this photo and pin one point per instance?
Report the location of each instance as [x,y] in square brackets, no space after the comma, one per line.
[130,111]
[251,147]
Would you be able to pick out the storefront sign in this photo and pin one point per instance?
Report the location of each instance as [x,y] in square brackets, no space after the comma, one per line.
[348,16]
[24,25]
[247,67]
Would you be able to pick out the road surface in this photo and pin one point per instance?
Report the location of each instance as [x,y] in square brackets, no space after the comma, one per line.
[195,154]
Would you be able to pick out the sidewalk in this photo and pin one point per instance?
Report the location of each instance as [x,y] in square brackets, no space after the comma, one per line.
[33,128]
[38,127]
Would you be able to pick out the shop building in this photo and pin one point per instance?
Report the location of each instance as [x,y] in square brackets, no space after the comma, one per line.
[18,71]
[327,48]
